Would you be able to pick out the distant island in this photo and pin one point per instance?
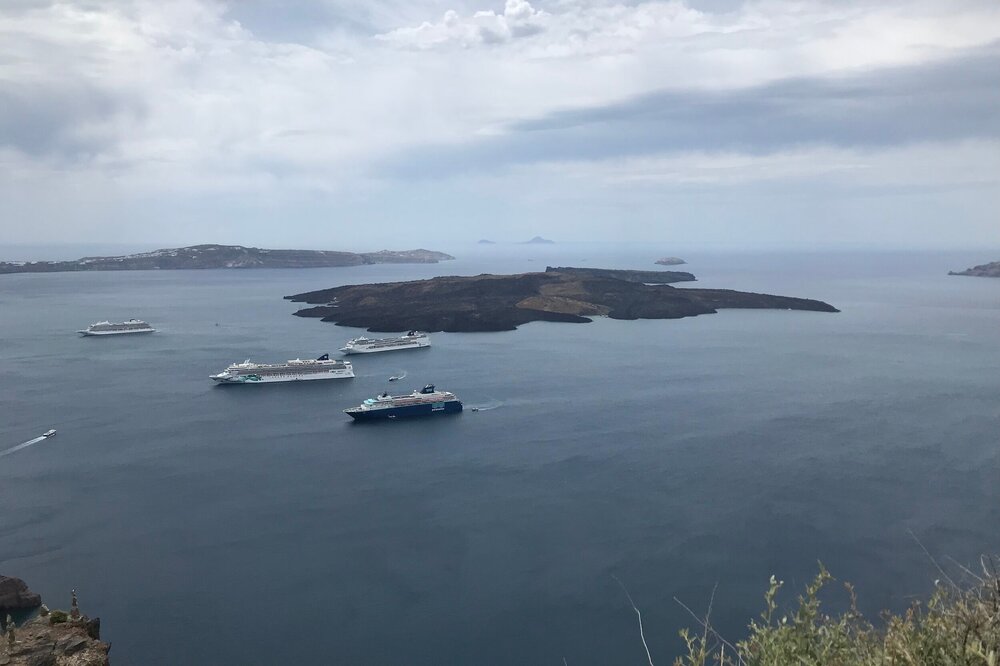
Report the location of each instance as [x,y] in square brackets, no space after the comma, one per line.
[225,256]
[504,302]
[983,270]
[485,241]
[670,261]
[538,240]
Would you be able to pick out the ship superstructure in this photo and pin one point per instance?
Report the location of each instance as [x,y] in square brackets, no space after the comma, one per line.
[363,345]
[424,402]
[131,326]
[296,370]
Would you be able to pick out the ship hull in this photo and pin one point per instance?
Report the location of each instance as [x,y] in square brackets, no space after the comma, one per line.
[257,379]
[400,347]
[409,411]
[101,334]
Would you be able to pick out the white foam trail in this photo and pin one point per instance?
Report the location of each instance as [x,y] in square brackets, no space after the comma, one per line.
[22,446]
[487,406]
[400,375]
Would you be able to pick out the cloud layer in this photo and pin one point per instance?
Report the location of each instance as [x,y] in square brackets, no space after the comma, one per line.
[213,118]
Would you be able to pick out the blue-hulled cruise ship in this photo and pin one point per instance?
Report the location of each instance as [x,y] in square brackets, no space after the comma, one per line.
[424,402]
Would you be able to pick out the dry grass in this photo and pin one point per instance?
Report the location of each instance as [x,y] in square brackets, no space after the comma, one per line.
[958,626]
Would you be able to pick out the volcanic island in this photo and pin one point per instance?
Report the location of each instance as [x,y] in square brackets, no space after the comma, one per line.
[504,302]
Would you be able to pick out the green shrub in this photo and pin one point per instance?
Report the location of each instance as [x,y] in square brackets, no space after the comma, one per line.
[959,626]
[58,617]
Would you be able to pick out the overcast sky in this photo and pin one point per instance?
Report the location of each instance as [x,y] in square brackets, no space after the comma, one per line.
[362,124]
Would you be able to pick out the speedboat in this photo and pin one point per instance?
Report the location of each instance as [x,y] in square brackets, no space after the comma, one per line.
[48,433]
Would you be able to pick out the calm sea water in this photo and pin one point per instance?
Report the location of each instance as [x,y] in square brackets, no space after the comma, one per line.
[258,525]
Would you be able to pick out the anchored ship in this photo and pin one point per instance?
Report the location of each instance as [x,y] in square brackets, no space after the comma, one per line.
[363,345]
[296,370]
[424,402]
[120,328]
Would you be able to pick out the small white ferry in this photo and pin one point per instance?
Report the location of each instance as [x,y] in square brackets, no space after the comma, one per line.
[296,370]
[363,345]
[48,433]
[129,327]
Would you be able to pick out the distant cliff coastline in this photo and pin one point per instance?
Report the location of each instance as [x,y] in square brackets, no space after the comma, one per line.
[983,270]
[504,302]
[226,256]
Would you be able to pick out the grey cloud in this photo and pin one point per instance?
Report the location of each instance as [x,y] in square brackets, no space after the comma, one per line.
[954,99]
[68,122]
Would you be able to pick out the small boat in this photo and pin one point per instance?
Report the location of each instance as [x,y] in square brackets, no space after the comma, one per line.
[394,378]
[48,433]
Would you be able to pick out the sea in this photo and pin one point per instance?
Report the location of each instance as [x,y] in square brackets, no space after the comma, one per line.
[677,462]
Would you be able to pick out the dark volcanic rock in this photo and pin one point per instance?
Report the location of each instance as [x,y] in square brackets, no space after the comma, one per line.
[646,277]
[226,256]
[983,270]
[504,302]
[15,595]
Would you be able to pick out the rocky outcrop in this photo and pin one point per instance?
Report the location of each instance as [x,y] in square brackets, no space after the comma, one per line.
[538,240]
[15,595]
[670,261]
[226,256]
[983,270]
[55,640]
[504,302]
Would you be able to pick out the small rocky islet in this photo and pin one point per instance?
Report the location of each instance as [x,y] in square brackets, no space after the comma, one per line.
[504,302]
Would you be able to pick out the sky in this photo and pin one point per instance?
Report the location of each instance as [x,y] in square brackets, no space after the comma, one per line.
[363,124]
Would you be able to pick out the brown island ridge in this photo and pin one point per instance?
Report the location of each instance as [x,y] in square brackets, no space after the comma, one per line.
[983,270]
[504,302]
[226,256]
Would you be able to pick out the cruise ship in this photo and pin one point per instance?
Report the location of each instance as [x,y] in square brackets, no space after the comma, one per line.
[424,402]
[121,328]
[296,370]
[363,345]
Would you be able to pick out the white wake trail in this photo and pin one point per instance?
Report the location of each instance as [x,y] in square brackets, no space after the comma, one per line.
[22,446]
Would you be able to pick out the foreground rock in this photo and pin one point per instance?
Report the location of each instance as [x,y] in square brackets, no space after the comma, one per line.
[15,595]
[226,256]
[65,642]
[670,261]
[504,302]
[983,270]
[55,638]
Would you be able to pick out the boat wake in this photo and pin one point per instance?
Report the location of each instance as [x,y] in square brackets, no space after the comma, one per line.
[399,375]
[486,406]
[25,445]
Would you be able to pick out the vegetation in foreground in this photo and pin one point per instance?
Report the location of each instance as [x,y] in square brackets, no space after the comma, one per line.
[958,626]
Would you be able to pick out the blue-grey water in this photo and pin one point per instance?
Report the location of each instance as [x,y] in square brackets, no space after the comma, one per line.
[258,525]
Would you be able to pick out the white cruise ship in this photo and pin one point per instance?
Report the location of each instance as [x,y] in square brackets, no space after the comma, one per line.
[121,328]
[296,370]
[363,345]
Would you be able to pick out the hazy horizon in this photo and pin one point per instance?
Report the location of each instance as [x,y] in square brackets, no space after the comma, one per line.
[343,124]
